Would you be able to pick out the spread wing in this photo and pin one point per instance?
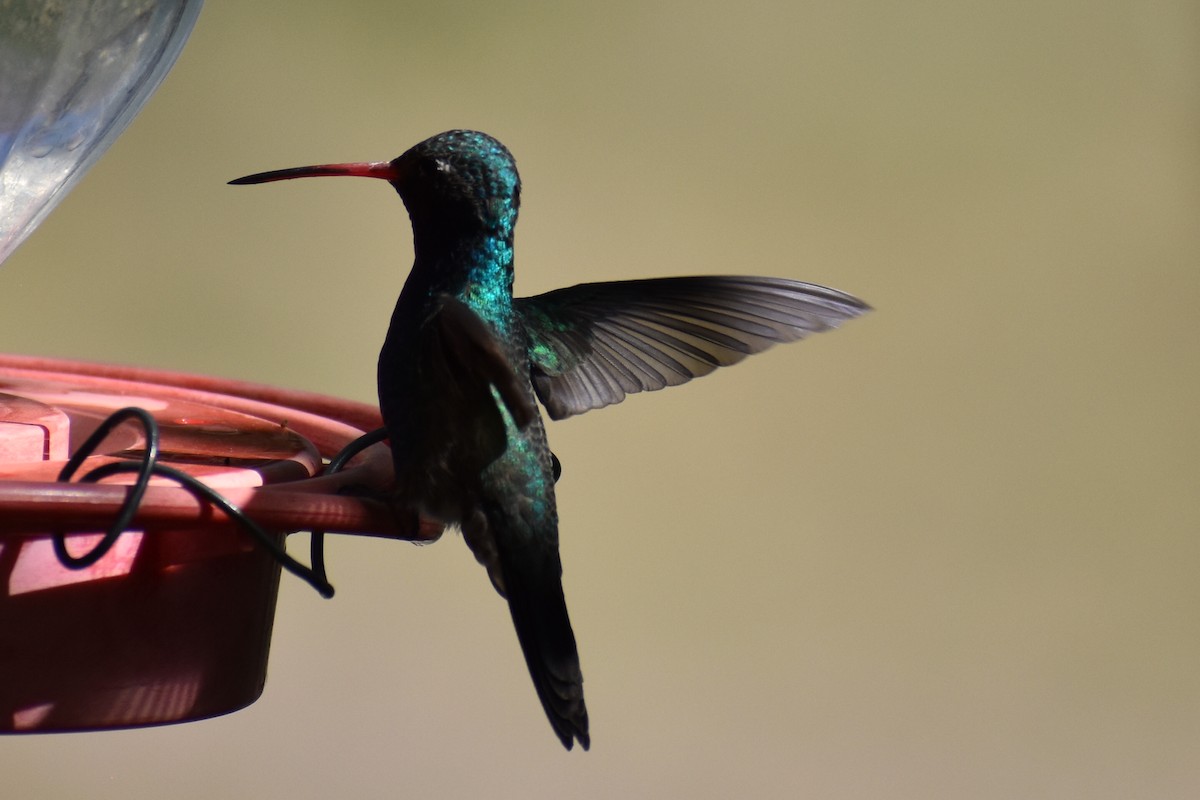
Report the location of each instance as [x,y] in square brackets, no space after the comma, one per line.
[592,344]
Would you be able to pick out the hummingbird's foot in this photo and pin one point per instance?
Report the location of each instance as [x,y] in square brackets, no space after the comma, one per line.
[412,525]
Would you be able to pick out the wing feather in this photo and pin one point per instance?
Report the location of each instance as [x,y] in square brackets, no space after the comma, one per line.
[593,344]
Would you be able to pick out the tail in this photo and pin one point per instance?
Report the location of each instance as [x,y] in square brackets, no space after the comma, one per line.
[512,529]
[539,613]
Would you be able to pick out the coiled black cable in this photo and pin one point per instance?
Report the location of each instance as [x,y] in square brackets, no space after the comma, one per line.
[148,466]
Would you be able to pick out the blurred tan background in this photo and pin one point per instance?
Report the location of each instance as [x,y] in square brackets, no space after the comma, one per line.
[951,550]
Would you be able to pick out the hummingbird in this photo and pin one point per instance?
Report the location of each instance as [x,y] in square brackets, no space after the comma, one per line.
[464,364]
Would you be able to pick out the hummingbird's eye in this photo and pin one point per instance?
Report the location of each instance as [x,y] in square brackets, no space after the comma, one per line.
[441,165]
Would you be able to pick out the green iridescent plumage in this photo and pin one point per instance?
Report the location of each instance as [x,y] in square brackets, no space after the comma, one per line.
[464,364]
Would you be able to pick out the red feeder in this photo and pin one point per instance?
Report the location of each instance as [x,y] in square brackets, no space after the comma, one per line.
[174,622]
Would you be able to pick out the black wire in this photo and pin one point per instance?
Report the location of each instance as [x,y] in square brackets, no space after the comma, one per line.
[148,466]
[132,500]
[316,537]
[204,492]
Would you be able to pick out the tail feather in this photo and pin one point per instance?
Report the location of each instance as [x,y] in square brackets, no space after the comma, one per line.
[539,613]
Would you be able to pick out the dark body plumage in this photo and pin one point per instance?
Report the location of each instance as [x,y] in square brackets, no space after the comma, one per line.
[464,363]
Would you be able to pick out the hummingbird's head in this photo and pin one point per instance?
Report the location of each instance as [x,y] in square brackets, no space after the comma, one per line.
[460,174]
[456,181]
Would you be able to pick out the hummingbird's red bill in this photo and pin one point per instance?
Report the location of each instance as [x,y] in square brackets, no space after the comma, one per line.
[385,170]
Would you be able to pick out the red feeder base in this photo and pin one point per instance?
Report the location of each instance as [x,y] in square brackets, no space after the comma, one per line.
[174,622]
[154,632]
